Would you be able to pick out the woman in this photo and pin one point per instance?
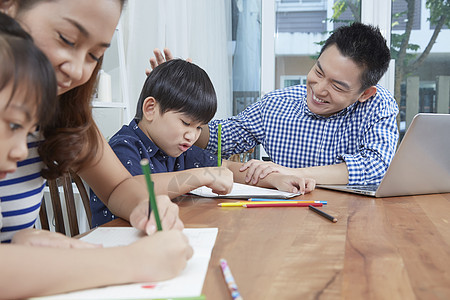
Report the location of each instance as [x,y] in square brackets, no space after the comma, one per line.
[74,35]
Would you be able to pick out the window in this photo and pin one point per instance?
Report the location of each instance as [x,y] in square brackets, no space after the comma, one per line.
[300,29]
[422,63]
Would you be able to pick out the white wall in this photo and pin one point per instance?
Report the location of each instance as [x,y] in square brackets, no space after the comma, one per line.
[197,29]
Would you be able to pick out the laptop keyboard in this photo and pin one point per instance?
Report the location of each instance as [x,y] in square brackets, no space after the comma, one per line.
[370,188]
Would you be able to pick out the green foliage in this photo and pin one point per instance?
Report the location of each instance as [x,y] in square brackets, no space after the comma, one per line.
[396,40]
[338,8]
[438,8]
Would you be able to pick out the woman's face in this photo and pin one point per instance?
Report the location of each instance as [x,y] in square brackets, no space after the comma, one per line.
[73,35]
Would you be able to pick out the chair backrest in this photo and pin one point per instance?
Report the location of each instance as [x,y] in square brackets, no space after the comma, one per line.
[243,157]
[65,182]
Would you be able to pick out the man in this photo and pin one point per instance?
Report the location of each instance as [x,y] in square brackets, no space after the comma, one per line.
[339,128]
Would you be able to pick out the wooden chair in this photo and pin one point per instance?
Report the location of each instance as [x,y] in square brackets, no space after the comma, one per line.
[66,182]
[242,157]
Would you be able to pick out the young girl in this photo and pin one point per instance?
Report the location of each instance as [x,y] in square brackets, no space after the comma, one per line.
[27,100]
[74,36]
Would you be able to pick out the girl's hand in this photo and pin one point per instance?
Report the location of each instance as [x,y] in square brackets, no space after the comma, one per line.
[160,256]
[45,238]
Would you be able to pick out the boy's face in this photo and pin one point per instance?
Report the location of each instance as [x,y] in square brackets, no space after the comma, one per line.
[333,83]
[17,121]
[172,132]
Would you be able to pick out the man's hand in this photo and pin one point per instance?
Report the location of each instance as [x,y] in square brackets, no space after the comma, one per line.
[292,183]
[258,169]
[160,57]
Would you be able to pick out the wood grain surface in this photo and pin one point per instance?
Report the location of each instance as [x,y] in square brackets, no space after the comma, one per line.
[385,248]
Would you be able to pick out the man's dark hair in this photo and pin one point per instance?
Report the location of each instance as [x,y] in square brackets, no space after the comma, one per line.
[180,86]
[365,45]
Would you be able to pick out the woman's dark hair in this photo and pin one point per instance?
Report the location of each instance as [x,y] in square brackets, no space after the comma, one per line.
[365,45]
[180,86]
[73,140]
[25,67]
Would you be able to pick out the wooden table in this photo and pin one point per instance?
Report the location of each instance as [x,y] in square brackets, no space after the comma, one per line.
[387,248]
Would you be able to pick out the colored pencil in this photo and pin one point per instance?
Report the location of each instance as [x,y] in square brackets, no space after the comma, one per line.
[323,214]
[151,193]
[285,200]
[219,145]
[201,297]
[242,203]
[282,205]
[232,286]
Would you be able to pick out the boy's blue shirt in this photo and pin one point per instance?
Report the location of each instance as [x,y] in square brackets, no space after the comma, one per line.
[131,145]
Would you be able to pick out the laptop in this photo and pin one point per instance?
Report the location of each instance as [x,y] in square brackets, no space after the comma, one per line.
[421,164]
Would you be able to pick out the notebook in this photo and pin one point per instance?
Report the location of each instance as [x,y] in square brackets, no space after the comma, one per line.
[421,164]
[188,284]
[244,191]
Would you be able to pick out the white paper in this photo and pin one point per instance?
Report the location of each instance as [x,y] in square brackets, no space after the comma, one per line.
[244,191]
[188,284]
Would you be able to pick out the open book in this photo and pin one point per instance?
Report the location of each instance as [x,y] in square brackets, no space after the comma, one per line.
[244,191]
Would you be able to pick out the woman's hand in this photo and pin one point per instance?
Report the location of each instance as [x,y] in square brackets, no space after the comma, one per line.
[168,214]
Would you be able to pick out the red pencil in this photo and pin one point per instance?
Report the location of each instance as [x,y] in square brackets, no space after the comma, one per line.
[251,205]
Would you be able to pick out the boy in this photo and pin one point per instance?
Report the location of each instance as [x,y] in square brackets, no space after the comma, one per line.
[176,100]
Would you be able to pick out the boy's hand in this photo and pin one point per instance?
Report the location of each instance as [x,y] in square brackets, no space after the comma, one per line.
[45,238]
[258,169]
[168,214]
[160,58]
[292,183]
[220,180]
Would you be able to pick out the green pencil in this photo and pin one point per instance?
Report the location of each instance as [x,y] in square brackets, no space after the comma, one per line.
[219,146]
[151,193]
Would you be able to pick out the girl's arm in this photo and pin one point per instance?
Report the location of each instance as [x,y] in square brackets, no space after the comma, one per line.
[36,271]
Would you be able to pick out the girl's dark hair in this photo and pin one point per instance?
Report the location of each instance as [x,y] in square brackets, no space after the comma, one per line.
[72,142]
[23,5]
[28,69]
[180,86]
[366,46]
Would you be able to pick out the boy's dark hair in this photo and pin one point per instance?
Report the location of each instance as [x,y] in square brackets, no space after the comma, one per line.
[180,86]
[24,66]
[365,45]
